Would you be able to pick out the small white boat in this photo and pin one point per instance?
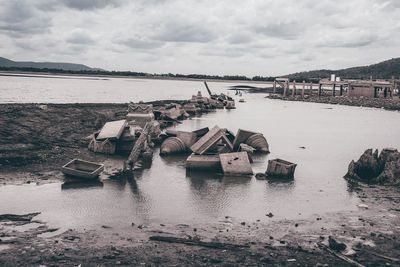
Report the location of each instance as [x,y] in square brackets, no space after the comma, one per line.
[82,169]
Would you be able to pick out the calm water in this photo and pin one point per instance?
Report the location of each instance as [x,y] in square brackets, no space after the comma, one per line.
[67,89]
[165,193]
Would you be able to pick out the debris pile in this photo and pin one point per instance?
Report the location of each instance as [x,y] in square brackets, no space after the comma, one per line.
[126,136]
[372,167]
[217,149]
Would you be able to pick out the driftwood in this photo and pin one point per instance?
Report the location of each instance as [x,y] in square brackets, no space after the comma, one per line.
[139,145]
[192,242]
[340,256]
[18,218]
[381,256]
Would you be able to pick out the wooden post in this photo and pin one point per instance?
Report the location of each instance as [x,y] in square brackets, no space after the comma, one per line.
[319,89]
[302,90]
[294,88]
[348,89]
[341,90]
[311,88]
[393,87]
[274,86]
[139,145]
[334,89]
[285,87]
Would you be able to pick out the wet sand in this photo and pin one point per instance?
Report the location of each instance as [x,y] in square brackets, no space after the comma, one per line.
[32,142]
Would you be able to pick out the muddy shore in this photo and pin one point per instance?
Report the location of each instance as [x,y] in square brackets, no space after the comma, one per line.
[35,140]
[383,103]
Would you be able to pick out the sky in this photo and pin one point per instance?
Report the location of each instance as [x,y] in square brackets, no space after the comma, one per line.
[225,37]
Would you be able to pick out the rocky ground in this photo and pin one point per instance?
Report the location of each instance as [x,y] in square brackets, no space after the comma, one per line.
[34,139]
[385,103]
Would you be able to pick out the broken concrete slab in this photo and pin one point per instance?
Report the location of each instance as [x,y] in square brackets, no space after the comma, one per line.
[203,163]
[173,145]
[102,146]
[235,163]
[188,138]
[210,140]
[201,132]
[248,149]
[258,142]
[140,108]
[241,137]
[139,118]
[280,168]
[112,130]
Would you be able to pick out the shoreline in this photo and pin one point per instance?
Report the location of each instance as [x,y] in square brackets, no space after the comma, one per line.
[380,103]
[44,137]
[63,76]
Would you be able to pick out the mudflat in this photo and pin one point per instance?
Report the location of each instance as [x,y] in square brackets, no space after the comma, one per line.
[36,139]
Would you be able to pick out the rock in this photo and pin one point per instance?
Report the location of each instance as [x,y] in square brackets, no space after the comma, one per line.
[260,176]
[371,168]
[269,215]
[335,245]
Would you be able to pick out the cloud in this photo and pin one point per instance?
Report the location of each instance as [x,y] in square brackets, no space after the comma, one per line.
[258,37]
[80,38]
[138,43]
[18,18]
[81,5]
[284,30]
[347,38]
[179,31]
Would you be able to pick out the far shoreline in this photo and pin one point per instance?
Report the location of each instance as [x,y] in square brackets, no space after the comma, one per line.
[99,76]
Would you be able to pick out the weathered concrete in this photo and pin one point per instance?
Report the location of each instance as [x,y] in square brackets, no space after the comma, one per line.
[112,130]
[235,163]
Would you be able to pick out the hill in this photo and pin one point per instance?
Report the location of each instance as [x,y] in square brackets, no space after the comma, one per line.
[6,63]
[382,70]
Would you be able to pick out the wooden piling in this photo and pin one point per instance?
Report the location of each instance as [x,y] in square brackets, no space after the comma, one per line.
[294,88]
[319,89]
[285,88]
[274,87]
[341,90]
[334,89]
[302,90]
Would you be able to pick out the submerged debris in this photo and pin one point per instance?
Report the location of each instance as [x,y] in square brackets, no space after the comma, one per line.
[373,168]
[280,168]
[82,169]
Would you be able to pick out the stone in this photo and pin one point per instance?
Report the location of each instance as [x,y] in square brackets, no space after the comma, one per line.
[203,162]
[235,163]
[211,140]
[371,168]
[335,245]
[112,130]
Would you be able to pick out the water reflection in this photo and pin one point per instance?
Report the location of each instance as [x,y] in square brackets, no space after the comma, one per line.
[80,184]
[280,184]
[174,160]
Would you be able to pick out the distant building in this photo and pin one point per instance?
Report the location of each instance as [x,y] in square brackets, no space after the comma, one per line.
[372,89]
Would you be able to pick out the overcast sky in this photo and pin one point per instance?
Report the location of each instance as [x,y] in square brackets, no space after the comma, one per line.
[254,37]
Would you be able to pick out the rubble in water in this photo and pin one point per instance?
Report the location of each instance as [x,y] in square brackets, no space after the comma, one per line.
[383,168]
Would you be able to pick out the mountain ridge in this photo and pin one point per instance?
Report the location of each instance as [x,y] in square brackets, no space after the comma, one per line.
[382,70]
[7,63]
